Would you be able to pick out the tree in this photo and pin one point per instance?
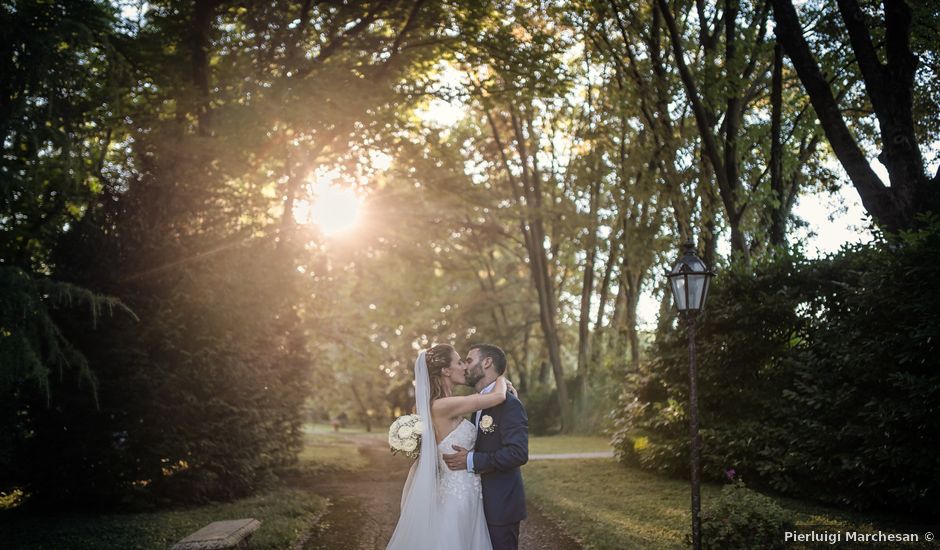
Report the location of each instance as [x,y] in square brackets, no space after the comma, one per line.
[523,67]
[892,84]
[61,85]
[178,199]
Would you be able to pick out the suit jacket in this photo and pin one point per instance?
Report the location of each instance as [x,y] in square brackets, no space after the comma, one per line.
[497,457]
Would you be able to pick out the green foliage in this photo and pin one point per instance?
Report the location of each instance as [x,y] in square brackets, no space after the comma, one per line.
[59,95]
[158,161]
[150,161]
[744,519]
[200,400]
[817,379]
[285,512]
[284,515]
[59,99]
[541,404]
[861,406]
[32,346]
[34,352]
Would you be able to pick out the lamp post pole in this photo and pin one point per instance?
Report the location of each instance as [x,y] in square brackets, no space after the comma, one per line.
[689,280]
[694,437]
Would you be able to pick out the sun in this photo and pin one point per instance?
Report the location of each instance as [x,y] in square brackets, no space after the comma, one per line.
[332,208]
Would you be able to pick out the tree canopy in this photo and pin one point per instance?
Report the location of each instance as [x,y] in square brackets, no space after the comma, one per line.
[175,305]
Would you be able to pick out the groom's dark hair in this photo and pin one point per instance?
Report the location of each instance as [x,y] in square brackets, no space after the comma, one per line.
[493,352]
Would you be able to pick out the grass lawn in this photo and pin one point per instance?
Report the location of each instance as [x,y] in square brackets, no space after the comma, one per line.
[328,451]
[605,505]
[564,444]
[326,429]
[284,512]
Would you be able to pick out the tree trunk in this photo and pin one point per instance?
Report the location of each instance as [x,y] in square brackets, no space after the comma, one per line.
[199,57]
[364,411]
[708,235]
[600,330]
[538,261]
[633,335]
[526,359]
[532,228]
[587,291]
[620,301]
[732,124]
[622,307]
[667,313]
[543,287]
[778,208]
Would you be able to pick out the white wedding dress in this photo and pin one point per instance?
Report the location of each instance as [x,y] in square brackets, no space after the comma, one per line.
[460,496]
[441,509]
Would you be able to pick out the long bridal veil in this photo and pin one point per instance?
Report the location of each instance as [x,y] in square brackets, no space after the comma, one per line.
[417,525]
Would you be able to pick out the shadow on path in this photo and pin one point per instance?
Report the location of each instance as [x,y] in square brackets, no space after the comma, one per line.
[365,503]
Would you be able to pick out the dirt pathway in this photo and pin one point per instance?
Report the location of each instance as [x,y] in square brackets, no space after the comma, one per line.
[364,507]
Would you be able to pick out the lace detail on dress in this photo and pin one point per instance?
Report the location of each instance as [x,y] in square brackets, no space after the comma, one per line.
[459,484]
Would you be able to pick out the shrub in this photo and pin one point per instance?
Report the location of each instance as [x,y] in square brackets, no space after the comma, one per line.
[744,519]
[200,400]
[817,379]
[541,403]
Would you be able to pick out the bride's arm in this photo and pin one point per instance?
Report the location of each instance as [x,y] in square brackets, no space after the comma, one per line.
[458,406]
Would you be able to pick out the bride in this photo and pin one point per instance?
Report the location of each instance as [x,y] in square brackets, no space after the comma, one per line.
[442,509]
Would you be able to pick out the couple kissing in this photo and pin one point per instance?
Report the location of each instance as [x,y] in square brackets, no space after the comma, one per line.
[465,492]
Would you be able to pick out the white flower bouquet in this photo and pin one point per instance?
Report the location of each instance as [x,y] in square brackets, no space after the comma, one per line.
[404,435]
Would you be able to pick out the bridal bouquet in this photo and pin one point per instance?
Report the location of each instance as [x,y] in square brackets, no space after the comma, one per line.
[404,435]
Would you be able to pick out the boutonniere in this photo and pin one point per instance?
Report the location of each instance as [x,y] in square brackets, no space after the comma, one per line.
[487,425]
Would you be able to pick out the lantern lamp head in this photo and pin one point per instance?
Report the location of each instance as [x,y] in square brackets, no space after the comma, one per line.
[689,281]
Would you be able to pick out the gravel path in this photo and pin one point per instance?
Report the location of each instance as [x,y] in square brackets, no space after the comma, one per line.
[364,507]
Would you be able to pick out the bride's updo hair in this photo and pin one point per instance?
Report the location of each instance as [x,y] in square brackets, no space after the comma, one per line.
[438,358]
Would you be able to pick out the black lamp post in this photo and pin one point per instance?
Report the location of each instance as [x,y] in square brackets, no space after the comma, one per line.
[689,280]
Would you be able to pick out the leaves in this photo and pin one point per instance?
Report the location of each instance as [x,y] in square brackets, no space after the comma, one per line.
[816,378]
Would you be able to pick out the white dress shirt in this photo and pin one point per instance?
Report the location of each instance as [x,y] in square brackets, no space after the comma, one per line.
[485,390]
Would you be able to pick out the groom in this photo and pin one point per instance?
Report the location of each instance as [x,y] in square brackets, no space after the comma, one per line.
[502,446]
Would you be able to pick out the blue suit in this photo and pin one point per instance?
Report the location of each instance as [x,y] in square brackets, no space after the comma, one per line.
[497,457]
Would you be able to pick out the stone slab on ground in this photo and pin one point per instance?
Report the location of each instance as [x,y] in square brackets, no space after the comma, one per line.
[219,535]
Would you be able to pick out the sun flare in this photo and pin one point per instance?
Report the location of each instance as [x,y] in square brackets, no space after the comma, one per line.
[332,208]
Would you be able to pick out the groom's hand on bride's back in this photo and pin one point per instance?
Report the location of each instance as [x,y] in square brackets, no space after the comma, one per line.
[458,460]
